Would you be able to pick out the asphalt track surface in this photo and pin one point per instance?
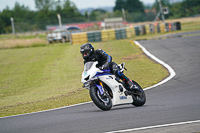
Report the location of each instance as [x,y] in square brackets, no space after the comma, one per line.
[177,100]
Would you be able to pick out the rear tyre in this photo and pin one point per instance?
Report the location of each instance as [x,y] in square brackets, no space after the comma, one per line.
[140,99]
[104,103]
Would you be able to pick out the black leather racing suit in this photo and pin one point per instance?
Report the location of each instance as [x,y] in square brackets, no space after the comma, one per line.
[106,60]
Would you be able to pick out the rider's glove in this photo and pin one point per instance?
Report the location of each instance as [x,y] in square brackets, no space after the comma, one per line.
[105,66]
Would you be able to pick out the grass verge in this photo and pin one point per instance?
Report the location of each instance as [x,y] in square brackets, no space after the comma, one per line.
[40,78]
[21,43]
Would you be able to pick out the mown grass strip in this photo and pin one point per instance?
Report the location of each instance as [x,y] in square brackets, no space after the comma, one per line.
[22,43]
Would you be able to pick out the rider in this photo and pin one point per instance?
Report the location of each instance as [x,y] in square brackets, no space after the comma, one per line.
[104,62]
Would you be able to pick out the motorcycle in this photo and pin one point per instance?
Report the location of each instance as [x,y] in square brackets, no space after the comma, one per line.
[107,90]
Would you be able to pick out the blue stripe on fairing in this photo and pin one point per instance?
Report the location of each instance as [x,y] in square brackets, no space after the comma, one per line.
[102,74]
[105,72]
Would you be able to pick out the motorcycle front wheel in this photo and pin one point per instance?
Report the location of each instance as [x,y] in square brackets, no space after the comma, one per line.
[140,99]
[104,103]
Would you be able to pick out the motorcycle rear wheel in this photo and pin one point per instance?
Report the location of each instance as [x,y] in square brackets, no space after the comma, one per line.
[139,100]
[104,103]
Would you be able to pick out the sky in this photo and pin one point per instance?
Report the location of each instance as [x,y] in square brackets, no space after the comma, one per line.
[80,4]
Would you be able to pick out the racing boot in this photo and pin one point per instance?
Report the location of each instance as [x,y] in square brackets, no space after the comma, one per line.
[128,82]
[131,86]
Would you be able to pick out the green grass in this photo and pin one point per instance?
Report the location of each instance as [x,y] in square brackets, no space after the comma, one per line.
[22,43]
[36,77]
[22,36]
[40,78]
[190,26]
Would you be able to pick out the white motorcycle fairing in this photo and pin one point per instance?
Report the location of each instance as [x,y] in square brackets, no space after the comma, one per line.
[118,96]
[91,72]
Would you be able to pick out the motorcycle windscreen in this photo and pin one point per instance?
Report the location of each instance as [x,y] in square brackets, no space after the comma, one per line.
[88,65]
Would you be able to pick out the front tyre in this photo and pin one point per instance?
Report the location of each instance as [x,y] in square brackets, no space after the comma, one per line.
[140,99]
[104,103]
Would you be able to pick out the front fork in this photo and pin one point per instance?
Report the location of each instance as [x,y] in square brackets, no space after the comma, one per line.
[101,88]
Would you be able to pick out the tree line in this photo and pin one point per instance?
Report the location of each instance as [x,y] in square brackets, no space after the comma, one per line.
[47,10]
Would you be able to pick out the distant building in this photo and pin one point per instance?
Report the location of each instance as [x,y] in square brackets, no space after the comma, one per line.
[111,23]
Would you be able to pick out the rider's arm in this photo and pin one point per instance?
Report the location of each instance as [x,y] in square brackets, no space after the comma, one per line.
[105,56]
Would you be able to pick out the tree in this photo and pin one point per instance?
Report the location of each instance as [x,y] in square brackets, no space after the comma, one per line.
[191,3]
[70,13]
[5,24]
[177,10]
[192,7]
[97,15]
[185,9]
[119,4]
[44,5]
[129,5]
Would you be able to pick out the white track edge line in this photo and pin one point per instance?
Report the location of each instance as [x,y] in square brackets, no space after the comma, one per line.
[172,74]
[171,71]
[156,126]
[47,110]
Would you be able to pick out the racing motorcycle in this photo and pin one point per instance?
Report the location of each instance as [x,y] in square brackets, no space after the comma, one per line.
[107,90]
